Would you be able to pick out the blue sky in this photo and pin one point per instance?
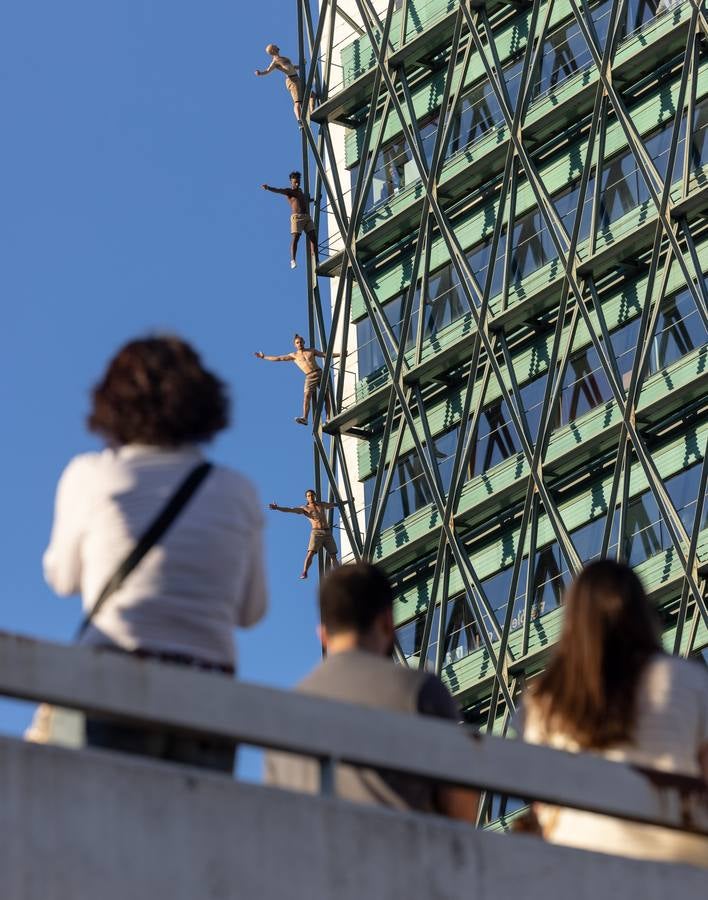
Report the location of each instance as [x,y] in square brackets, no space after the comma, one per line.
[135,140]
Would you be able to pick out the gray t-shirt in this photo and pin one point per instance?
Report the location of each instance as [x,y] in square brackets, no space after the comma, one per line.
[357,676]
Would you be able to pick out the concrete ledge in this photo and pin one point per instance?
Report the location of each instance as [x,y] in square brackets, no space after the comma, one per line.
[201,703]
[89,825]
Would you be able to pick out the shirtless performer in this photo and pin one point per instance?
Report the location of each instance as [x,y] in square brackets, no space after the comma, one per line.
[299,215]
[304,358]
[292,78]
[321,534]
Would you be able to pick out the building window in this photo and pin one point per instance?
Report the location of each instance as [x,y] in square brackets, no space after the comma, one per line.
[409,489]
[479,112]
[370,358]
[548,580]
[621,189]
[644,529]
[639,12]
[444,303]
[495,439]
[679,330]
[683,491]
[461,633]
[533,246]
[585,386]
[699,145]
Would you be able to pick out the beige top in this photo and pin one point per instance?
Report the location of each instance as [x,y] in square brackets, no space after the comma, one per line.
[671,728]
[357,676]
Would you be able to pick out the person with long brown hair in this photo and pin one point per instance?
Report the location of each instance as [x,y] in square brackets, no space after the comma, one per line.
[610,689]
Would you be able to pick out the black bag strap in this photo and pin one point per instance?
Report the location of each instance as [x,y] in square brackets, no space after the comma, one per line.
[157,528]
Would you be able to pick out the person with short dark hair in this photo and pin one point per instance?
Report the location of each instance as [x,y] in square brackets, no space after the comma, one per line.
[305,359]
[357,633]
[293,83]
[321,534]
[611,689]
[300,219]
[154,406]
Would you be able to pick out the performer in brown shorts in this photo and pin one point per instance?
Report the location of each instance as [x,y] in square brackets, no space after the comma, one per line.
[304,358]
[321,535]
[300,219]
[292,78]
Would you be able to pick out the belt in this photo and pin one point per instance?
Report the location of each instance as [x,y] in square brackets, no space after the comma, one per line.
[178,659]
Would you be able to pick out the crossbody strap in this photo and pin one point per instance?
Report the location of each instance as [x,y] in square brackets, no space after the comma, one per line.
[157,528]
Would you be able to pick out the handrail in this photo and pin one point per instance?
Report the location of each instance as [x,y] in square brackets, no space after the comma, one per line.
[106,683]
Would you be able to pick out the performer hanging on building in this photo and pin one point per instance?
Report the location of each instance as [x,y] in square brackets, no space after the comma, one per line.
[300,219]
[321,535]
[292,78]
[304,358]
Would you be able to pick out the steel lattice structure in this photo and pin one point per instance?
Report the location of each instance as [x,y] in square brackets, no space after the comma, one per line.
[622,78]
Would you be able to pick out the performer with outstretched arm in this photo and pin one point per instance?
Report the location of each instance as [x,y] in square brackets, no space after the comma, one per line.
[293,84]
[300,219]
[321,535]
[304,358]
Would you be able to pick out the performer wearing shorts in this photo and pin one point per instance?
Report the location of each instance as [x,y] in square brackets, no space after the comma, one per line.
[321,535]
[292,78]
[304,358]
[300,219]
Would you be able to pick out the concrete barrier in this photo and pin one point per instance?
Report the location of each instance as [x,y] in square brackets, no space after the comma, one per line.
[82,823]
[79,825]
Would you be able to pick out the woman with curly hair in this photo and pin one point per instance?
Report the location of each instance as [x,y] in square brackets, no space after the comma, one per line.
[611,689]
[154,406]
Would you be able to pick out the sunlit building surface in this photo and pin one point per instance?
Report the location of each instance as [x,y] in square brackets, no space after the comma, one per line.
[513,199]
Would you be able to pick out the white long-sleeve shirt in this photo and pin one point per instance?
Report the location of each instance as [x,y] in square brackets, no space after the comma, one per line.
[203,577]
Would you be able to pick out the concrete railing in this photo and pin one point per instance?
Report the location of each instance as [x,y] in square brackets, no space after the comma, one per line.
[91,824]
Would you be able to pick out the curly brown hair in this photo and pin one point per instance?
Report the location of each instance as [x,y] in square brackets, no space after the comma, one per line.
[156,391]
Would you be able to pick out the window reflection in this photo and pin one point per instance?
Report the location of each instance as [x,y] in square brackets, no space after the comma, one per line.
[409,489]
[444,303]
[479,111]
[370,358]
[683,491]
[639,12]
[565,52]
[532,243]
[699,153]
[410,639]
[549,582]
[391,175]
[587,539]
[495,439]
[680,330]
[620,189]
[478,260]
[461,635]
[585,385]
[645,536]
[643,530]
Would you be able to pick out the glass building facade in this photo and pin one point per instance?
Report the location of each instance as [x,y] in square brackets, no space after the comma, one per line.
[515,200]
